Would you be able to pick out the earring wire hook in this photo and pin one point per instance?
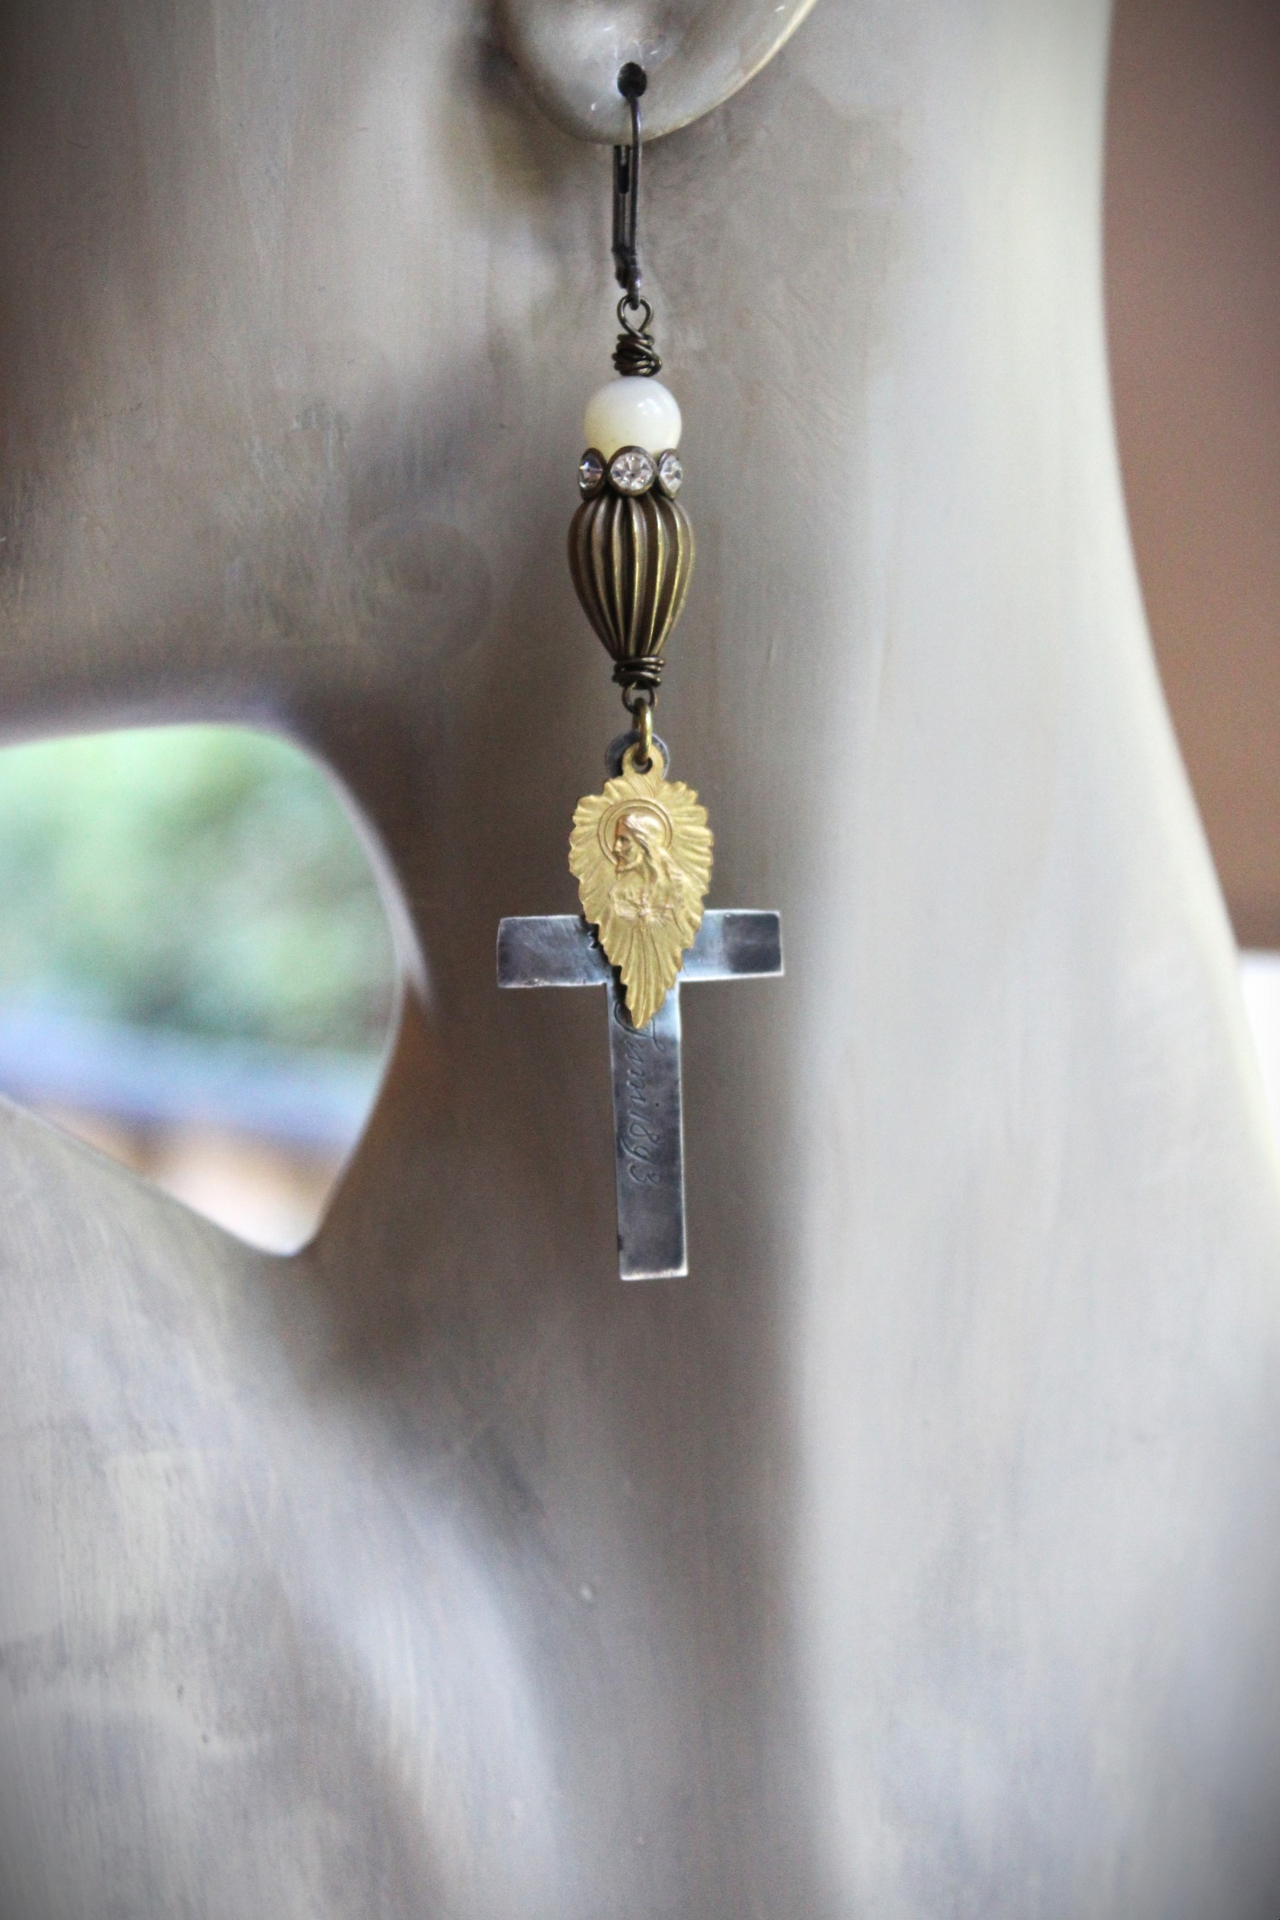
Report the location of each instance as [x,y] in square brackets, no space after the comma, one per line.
[632,81]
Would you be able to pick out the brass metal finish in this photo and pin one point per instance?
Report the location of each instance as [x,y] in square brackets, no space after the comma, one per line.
[641,854]
[642,714]
[631,557]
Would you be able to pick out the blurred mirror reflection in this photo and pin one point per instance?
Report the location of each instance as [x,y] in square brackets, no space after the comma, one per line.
[196,970]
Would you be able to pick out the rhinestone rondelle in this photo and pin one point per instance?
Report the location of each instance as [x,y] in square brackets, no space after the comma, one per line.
[632,470]
[591,472]
[670,472]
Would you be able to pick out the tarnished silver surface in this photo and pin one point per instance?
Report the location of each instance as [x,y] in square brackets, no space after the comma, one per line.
[550,950]
[735,943]
[648,1140]
[560,950]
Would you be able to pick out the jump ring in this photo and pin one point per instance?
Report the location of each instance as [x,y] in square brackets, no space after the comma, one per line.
[634,303]
[644,727]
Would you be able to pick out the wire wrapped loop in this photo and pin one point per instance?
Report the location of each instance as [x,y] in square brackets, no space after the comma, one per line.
[635,352]
[643,677]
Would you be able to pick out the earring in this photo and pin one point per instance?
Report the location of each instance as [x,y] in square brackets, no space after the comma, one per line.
[640,850]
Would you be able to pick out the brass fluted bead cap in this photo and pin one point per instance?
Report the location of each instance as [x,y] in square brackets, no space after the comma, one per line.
[631,556]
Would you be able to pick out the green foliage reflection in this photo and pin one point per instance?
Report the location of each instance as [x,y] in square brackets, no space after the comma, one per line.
[199,878]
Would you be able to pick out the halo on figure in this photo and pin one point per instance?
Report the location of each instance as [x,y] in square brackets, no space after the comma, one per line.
[635,804]
[646,915]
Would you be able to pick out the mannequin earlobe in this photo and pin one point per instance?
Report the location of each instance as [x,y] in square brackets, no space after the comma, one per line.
[695,53]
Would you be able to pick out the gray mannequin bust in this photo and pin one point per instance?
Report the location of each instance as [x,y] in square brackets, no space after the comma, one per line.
[918,1556]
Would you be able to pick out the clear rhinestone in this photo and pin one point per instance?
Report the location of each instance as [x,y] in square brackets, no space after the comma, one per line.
[670,472]
[591,471]
[632,470]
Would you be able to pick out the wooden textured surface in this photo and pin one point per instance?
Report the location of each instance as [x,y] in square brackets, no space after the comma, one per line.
[920,1555]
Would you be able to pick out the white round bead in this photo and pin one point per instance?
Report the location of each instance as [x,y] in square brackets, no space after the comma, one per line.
[632,412]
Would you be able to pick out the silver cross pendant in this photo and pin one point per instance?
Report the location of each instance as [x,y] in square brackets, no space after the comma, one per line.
[560,950]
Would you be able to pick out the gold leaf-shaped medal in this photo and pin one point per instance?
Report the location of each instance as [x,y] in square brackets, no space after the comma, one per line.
[641,854]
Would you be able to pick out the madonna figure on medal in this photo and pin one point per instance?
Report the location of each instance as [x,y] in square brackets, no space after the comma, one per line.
[640,850]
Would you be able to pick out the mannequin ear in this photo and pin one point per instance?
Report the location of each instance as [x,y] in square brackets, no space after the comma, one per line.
[695,53]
